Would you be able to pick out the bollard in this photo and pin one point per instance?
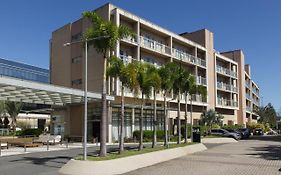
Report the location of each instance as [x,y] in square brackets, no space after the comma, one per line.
[24,143]
[48,145]
[0,148]
[66,143]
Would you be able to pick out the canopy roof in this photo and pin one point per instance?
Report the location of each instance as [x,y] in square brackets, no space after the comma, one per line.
[12,89]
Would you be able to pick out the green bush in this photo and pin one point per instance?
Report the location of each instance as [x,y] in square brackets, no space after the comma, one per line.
[148,135]
[29,132]
[236,126]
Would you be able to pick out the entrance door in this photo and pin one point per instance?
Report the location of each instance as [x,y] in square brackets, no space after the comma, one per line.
[96,130]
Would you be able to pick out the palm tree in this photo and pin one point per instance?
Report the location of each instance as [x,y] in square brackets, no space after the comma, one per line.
[127,76]
[210,117]
[13,109]
[155,79]
[145,86]
[167,74]
[194,90]
[177,87]
[188,83]
[104,46]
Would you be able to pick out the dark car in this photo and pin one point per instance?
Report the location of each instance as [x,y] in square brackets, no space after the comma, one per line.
[245,133]
[258,131]
[225,133]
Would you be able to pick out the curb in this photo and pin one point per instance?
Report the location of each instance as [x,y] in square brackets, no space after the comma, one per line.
[218,140]
[127,164]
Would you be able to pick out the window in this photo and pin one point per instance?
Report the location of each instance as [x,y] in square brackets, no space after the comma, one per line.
[76,37]
[77,60]
[76,82]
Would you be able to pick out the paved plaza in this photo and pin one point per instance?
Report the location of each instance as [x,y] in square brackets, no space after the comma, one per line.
[259,155]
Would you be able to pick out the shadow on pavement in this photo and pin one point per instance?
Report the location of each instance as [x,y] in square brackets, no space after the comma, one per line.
[271,152]
[266,138]
[57,160]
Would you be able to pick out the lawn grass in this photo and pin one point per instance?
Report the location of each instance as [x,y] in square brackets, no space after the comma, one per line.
[116,155]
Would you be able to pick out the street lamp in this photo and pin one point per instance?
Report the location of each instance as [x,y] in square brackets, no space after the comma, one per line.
[86,88]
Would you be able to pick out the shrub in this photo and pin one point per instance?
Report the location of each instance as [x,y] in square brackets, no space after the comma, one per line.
[26,132]
[148,135]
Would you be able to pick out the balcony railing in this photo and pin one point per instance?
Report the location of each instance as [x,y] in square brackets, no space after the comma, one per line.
[256,102]
[248,96]
[255,91]
[198,98]
[225,102]
[248,108]
[126,59]
[201,80]
[227,87]
[154,45]
[201,62]
[248,85]
[226,71]
[184,56]
[131,39]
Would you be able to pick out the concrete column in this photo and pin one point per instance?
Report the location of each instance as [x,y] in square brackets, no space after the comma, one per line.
[138,40]
[133,120]
[109,121]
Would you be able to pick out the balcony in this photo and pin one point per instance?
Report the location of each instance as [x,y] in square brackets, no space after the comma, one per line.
[255,91]
[226,87]
[256,102]
[227,103]
[130,39]
[155,45]
[247,84]
[184,56]
[248,96]
[198,98]
[126,59]
[201,80]
[248,108]
[226,71]
[201,62]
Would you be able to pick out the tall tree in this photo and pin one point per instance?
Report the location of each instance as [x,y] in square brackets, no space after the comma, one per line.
[195,90]
[155,84]
[13,109]
[2,112]
[145,86]
[104,46]
[267,114]
[167,74]
[188,83]
[177,88]
[127,76]
[210,117]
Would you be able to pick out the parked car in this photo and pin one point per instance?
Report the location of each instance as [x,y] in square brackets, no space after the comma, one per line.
[245,133]
[258,131]
[225,133]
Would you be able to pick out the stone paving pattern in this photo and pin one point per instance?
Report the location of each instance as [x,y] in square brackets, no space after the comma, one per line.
[260,156]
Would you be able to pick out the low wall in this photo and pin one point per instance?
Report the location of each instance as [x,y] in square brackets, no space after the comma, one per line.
[126,164]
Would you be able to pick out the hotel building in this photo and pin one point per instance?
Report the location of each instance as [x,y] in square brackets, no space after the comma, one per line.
[225,75]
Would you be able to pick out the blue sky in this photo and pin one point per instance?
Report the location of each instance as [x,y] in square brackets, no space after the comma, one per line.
[253,26]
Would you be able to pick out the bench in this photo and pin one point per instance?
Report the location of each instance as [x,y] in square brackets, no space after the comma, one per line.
[21,142]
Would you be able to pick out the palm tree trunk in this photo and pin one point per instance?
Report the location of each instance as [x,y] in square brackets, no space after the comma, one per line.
[179,120]
[165,121]
[154,143]
[191,119]
[185,117]
[141,123]
[121,137]
[103,127]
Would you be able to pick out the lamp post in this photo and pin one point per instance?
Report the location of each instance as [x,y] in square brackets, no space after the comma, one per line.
[86,89]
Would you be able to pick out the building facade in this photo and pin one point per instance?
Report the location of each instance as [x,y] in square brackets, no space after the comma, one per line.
[32,115]
[223,74]
[23,71]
